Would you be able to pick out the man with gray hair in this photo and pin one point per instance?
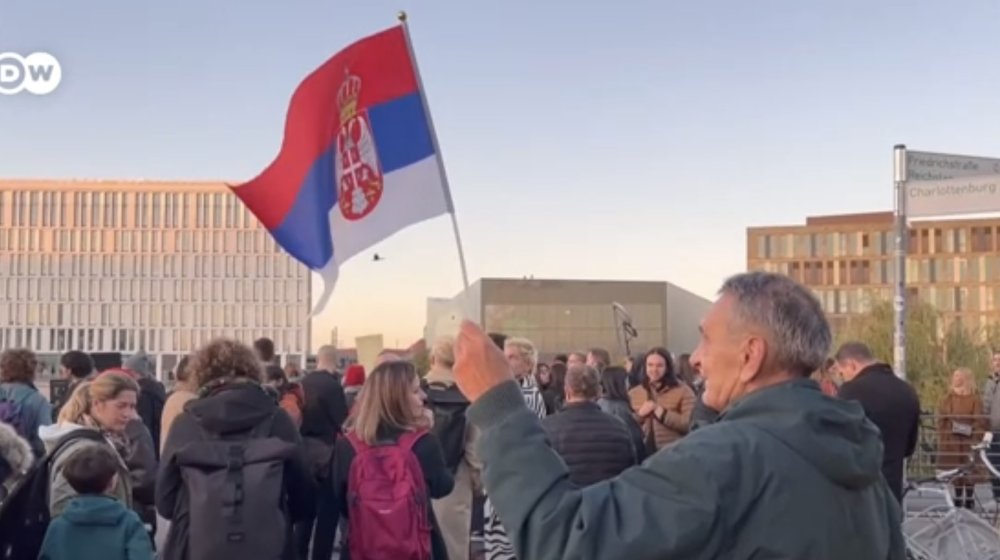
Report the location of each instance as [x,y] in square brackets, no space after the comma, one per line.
[458,441]
[786,472]
[889,402]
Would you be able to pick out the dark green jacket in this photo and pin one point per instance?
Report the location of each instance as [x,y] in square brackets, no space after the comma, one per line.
[786,473]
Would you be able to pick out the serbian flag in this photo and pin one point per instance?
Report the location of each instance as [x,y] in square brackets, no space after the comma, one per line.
[358,162]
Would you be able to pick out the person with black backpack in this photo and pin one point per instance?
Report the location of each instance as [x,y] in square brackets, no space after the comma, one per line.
[457,436]
[233,477]
[96,414]
[21,405]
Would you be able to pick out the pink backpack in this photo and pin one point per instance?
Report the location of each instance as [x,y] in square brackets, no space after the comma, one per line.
[387,502]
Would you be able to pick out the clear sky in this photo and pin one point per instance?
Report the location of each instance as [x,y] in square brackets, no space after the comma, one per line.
[583,139]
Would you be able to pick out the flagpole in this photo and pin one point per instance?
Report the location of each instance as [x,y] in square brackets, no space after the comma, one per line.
[309,297]
[900,249]
[437,150]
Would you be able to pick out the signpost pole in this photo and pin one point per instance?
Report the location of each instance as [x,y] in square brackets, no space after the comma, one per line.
[899,299]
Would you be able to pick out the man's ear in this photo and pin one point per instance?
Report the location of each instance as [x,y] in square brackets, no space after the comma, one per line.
[754,354]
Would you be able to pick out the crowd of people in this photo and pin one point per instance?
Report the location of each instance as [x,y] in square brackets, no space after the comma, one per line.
[745,448]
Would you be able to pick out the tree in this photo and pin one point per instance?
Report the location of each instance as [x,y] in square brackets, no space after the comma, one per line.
[930,357]
[963,348]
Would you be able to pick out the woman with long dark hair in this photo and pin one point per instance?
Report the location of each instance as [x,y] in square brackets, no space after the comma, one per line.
[615,401]
[554,394]
[662,404]
[636,366]
[689,374]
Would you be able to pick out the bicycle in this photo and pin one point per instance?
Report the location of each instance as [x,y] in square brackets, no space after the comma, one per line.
[943,531]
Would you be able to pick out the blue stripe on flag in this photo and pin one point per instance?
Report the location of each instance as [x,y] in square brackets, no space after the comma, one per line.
[402,134]
[305,231]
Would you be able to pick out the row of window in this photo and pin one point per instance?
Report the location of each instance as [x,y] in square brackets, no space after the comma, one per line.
[289,340]
[950,299]
[974,269]
[216,314]
[851,301]
[194,267]
[109,210]
[922,241]
[932,241]
[138,241]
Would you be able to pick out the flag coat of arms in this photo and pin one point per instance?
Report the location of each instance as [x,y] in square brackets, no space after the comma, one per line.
[358,162]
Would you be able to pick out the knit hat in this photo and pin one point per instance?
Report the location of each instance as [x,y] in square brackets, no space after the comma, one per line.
[141,364]
[355,376]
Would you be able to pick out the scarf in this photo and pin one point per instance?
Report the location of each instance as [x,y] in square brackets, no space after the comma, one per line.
[119,441]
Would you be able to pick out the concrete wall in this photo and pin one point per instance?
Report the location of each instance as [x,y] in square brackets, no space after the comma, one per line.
[566,315]
[570,315]
[684,312]
[444,315]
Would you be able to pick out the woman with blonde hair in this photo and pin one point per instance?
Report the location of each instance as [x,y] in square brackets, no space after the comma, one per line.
[389,468]
[195,485]
[97,413]
[961,423]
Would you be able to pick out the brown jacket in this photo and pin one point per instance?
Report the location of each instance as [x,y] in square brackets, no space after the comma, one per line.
[957,414]
[669,424]
[171,410]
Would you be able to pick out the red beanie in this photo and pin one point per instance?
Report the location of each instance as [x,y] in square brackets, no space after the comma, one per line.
[355,376]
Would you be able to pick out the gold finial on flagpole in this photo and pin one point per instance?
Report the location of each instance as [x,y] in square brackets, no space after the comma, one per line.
[401,16]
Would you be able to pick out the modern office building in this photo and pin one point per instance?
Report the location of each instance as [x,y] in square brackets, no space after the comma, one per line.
[848,262]
[565,315]
[124,266]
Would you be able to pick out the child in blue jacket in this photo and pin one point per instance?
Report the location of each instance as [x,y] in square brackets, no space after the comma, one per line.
[95,526]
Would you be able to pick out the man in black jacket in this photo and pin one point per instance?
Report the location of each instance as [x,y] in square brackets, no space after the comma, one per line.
[152,395]
[889,402]
[323,418]
[595,445]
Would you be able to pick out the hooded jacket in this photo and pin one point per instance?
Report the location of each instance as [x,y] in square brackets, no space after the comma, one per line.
[16,458]
[96,528]
[35,411]
[60,492]
[231,410]
[786,473]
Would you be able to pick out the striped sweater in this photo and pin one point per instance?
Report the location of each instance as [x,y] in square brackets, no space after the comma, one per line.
[498,546]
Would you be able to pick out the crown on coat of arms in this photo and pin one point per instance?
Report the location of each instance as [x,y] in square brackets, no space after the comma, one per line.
[347,97]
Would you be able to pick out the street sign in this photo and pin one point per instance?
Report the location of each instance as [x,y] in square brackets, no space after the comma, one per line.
[944,184]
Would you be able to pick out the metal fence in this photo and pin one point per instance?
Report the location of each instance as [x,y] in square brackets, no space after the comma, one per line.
[945,442]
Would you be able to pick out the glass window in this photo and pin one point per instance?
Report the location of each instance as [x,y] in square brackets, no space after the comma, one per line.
[963,269]
[961,240]
[156,209]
